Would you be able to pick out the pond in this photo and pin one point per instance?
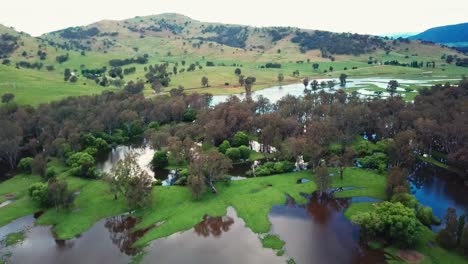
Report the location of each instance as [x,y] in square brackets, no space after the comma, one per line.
[275,93]
[318,231]
[440,190]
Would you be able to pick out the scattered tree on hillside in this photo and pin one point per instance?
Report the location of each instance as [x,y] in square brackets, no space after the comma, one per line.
[7,97]
[204,81]
[280,78]
[392,87]
[305,81]
[237,71]
[343,79]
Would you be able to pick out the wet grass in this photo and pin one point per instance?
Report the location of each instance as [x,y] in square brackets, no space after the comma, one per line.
[13,239]
[273,242]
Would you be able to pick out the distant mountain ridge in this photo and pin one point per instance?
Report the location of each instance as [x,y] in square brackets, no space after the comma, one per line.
[453,35]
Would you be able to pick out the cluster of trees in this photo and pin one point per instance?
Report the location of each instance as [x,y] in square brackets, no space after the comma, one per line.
[337,43]
[278,33]
[78,33]
[122,62]
[62,58]
[29,65]
[158,76]
[234,36]
[455,234]
[272,65]
[8,44]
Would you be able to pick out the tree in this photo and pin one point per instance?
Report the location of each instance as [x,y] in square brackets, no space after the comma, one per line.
[7,97]
[127,179]
[25,164]
[241,80]
[392,221]
[447,237]
[305,82]
[315,66]
[248,83]
[314,85]
[280,78]
[197,185]
[331,84]
[234,154]
[160,160]
[39,165]
[134,88]
[212,166]
[10,138]
[240,139]
[58,193]
[224,146]
[322,178]
[204,81]
[343,79]
[396,181]
[392,87]
[464,240]
[82,165]
[237,71]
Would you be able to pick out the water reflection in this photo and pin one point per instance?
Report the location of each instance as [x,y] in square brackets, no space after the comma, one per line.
[108,241]
[440,190]
[214,240]
[318,232]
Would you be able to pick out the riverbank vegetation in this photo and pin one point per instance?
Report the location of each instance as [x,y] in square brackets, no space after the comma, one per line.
[369,145]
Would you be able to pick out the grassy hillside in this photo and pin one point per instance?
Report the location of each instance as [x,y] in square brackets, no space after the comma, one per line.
[175,39]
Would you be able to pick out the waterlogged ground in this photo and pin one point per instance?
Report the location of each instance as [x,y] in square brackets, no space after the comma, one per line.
[365,87]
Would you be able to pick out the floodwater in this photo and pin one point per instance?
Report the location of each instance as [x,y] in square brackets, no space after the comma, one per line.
[275,93]
[439,190]
[318,232]
[108,241]
[144,155]
[214,240]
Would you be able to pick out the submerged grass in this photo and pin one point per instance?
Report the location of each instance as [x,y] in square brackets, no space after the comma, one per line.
[13,239]
[273,242]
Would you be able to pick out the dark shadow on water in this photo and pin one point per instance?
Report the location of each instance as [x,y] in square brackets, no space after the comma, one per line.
[213,225]
[318,232]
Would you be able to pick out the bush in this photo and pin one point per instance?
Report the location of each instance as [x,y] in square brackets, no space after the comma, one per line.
[25,164]
[39,194]
[270,168]
[82,165]
[244,152]
[376,161]
[160,160]
[39,165]
[233,153]
[391,221]
[224,146]
[240,139]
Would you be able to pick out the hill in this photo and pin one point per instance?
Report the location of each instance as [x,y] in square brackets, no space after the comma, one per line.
[170,50]
[453,35]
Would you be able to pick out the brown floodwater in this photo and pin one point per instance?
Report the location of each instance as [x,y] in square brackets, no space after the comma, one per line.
[318,232]
[214,240]
[108,241]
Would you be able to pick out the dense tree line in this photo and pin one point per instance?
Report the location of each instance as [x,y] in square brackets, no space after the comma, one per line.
[234,36]
[338,43]
[8,44]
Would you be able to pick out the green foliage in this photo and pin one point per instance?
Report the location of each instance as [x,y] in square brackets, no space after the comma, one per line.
[270,168]
[244,152]
[13,239]
[336,148]
[190,115]
[273,242]
[233,154]
[160,160]
[240,139]
[25,164]
[82,165]
[376,161]
[392,221]
[39,194]
[224,146]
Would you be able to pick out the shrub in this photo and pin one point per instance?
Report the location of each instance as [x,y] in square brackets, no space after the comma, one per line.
[39,194]
[224,146]
[39,165]
[160,160]
[233,153]
[82,164]
[376,161]
[244,152]
[240,139]
[25,164]
[392,221]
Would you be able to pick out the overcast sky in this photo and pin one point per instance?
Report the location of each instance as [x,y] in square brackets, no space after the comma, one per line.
[361,16]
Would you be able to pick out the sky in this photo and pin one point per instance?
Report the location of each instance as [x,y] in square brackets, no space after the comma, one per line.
[358,16]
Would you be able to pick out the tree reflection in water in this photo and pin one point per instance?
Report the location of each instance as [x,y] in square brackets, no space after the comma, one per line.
[213,225]
[122,234]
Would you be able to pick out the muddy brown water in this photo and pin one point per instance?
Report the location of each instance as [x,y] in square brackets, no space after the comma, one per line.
[318,231]
[214,240]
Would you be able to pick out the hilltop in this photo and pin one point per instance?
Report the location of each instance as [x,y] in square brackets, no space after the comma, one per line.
[454,35]
[107,54]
